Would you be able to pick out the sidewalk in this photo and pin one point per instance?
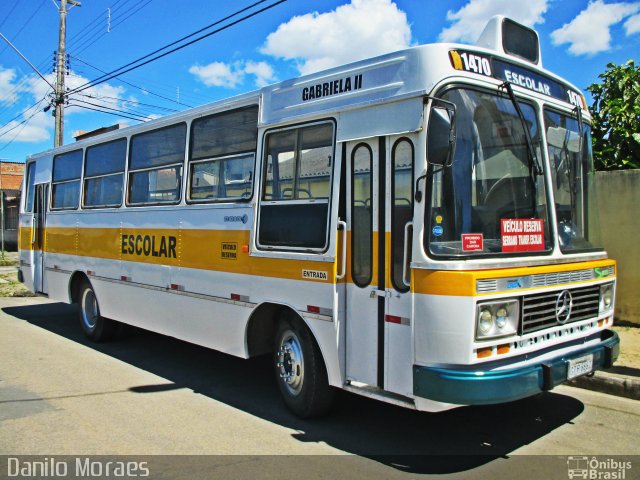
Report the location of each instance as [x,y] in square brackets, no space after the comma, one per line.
[623,379]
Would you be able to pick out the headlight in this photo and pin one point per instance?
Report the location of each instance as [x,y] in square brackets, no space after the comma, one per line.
[497,319]
[606,297]
[485,321]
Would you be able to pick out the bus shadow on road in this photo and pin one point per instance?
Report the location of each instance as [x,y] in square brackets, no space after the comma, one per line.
[417,442]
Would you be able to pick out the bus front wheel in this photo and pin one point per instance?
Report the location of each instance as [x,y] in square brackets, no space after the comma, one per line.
[94,325]
[300,370]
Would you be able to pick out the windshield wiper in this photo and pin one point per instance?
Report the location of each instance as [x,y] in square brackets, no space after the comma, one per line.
[535,169]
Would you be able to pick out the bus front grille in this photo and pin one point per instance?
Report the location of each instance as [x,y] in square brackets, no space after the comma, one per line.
[539,310]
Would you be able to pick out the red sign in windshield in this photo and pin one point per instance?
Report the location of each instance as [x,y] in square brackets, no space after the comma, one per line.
[522,234]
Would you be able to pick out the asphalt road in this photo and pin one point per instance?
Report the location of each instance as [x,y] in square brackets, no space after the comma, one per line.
[146,394]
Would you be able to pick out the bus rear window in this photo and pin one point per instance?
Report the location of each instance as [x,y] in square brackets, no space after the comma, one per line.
[67,169]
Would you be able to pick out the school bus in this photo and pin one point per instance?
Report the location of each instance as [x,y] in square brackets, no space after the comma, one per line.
[415,227]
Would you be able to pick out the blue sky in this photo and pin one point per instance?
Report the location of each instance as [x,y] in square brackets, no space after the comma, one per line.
[299,36]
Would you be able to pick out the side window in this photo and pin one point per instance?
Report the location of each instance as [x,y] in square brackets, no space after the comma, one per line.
[104,174]
[67,168]
[402,208]
[222,159]
[361,215]
[296,187]
[31,187]
[155,166]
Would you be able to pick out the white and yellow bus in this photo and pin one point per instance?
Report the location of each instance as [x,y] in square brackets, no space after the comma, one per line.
[414,227]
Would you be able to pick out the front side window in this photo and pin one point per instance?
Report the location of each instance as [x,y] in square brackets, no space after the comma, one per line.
[572,173]
[155,166]
[67,168]
[490,201]
[296,186]
[104,174]
[222,156]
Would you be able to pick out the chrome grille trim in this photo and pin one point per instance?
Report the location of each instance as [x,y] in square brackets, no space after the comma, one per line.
[539,309]
[486,286]
[493,285]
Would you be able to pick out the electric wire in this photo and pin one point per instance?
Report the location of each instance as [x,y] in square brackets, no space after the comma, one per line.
[24,25]
[132,65]
[23,124]
[145,90]
[121,115]
[79,49]
[117,110]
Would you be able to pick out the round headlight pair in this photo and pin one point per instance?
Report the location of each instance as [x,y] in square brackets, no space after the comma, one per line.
[487,319]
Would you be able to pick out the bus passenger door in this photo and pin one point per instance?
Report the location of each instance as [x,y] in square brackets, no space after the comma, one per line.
[38,238]
[363,294]
[399,205]
[379,215]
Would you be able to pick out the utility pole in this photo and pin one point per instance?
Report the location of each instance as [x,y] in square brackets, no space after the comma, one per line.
[60,96]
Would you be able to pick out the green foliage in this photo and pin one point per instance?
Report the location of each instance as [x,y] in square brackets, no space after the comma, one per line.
[616,117]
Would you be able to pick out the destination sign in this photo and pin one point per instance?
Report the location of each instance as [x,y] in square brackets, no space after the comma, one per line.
[523,77]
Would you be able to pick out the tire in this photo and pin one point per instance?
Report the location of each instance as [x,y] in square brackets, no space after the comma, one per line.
[300,371]
[95,327]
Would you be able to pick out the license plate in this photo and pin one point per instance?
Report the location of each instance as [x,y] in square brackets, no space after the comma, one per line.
[579,366]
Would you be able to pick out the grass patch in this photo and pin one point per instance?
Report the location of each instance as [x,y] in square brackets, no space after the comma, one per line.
[11,287]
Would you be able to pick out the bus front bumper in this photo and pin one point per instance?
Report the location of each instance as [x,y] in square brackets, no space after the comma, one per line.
[485,387]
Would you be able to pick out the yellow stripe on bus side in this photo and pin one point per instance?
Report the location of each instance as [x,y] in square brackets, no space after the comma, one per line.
[463,283]
[218,250]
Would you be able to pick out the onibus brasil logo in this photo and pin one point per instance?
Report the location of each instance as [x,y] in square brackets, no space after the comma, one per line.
[593,468]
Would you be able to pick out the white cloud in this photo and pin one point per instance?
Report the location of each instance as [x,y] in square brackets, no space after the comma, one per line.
[263,72]
[218,74]
[632,25]
[590,32]
[7,86]
[360,29]
[36,129]
[470,20]
[39,127]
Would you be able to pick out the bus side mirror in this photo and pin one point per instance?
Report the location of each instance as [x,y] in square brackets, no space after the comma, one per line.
[441,136]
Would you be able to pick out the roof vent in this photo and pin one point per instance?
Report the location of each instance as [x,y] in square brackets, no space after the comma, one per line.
[511,38]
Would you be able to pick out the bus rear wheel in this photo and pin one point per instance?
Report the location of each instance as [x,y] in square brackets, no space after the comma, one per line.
[300,371]
[95,326]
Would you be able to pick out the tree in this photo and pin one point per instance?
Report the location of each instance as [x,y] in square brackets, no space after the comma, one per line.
[616,117]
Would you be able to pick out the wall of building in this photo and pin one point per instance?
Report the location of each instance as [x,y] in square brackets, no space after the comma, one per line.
[619,229]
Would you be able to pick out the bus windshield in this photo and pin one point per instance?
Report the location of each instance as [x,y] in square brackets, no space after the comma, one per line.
[571,162]
[490,183]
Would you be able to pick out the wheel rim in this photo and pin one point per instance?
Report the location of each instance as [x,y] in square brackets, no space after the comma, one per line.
[290,362]
[90,312]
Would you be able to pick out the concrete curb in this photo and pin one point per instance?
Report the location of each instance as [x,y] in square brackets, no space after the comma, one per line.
[611,383]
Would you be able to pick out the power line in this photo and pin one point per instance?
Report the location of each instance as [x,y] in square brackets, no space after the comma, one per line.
[145,90]
[122,70]
[23,123]
[84,102]
[91,41]
[24,24]
[15,4]
[25,59]
[87,30]
[19,115]
[124,100]
[121,115]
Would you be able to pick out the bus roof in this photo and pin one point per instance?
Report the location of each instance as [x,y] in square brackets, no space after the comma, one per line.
[393,77]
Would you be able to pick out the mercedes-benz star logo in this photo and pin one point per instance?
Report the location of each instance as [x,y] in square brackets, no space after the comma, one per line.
[563,306]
